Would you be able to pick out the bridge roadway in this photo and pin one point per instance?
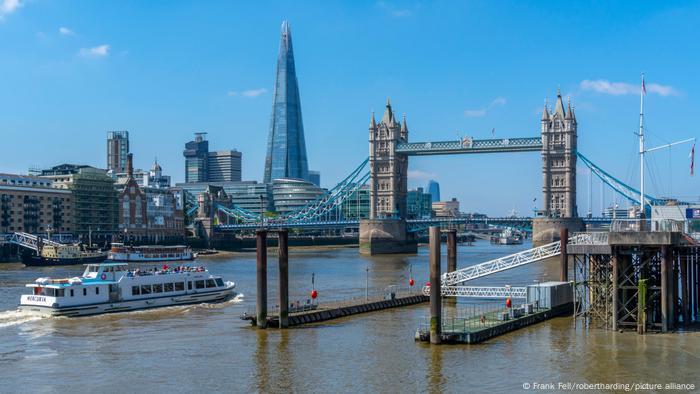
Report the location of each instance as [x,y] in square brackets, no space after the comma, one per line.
[321,224]
[469,145]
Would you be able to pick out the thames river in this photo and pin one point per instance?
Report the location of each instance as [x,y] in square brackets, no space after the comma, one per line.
[209,348]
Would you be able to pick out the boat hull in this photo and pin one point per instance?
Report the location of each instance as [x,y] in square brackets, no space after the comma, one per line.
[39,261]
[131,305]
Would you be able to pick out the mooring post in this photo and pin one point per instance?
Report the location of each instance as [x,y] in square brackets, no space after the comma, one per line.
[283,246]
[564,239]
[452,250]
[261,264]
[665,296]
[435,292]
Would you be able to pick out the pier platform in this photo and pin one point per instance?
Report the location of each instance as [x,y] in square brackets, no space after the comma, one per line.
[486,325]
[335,310]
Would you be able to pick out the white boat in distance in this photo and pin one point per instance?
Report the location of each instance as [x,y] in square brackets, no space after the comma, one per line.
[144,254]
[113,287]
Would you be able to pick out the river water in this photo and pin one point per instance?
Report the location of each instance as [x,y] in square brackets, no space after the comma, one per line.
[208,348]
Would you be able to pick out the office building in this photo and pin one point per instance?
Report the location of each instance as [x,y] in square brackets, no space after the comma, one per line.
[446,209]
[315,177]
[418,204]
[196,159]
[286,148]
[95,200]
[434,190]
[31,204]
[117,149]
[290,195]
[356,206]
[224,166]
[249,195]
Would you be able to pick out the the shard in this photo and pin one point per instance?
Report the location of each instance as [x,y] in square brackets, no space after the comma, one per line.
[286,148]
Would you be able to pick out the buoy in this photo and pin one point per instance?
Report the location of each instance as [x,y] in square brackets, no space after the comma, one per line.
[428,284]
[314,294]
[411,282]
[508,302]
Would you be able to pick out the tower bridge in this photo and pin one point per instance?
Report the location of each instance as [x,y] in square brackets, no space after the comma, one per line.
[389,148]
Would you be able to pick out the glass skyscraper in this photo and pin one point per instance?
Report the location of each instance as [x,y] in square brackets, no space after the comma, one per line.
[286,148]
[434,190]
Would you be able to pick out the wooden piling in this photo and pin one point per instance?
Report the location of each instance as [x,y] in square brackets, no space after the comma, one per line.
[665,293]
[261,265]
[283,242]
[435,291]
[452,251]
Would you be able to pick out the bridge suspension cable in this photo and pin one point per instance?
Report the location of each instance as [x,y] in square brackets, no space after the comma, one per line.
[620,187]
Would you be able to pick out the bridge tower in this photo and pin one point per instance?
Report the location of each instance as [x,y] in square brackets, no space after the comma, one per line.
[385,230]
[559,135]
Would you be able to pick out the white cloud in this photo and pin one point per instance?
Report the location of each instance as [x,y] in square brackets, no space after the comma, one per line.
[393,11]
[98,51]
[248,93]
[418,175]
[622,88]
[66,31]
[476,113]
[8,6]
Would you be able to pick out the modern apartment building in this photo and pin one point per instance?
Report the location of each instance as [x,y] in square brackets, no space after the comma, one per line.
[31,204]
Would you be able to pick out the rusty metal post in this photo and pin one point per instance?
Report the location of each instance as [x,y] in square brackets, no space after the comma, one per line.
[564,239]
[452,251]
[261,265]
[615,262]
[283,246]
[435,292]
[665,296]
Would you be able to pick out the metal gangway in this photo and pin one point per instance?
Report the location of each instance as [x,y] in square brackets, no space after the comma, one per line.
[481,291]
[29,241]
[450,281]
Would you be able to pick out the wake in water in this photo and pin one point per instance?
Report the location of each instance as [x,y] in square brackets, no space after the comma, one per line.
[13,318]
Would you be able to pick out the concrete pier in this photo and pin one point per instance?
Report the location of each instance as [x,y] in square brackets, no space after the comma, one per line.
[547,230]
[283,242]
[261,269]
[386,236]
[435,292]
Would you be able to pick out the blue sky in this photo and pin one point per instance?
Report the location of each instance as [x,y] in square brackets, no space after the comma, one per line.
[73,70]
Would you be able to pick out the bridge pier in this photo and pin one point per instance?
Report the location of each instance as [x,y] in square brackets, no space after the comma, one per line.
[546,230]
[386,236]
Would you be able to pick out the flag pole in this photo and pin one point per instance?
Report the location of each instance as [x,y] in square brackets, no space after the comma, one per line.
[641,148]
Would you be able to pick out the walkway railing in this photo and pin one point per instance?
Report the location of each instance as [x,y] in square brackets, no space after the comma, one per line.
[647,225]
[589,238]
[480,291]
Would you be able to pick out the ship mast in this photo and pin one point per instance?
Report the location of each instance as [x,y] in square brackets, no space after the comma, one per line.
[642,91]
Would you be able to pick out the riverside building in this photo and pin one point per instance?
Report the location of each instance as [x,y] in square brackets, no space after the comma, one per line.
[31,204]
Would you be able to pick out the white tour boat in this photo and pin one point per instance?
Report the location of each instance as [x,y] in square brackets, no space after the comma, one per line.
[144,254]
[113,287]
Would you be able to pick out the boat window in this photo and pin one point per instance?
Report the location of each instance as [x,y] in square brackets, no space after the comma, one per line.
[189,285]
[211,283]
[219,282]
[158,288]
[179,286]
[71,292]
[199,284]
[84,291]
[168,287]
[60,292]
[145,289]
[97,289]
[135,290]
